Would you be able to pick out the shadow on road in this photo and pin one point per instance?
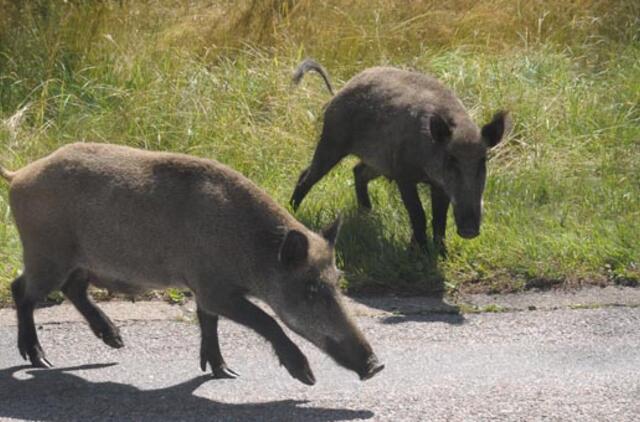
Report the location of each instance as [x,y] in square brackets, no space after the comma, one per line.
[56,395]
[452,318]
[432,308]
[414,309]
[370,253]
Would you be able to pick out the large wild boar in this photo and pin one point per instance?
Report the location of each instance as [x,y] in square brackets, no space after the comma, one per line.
[410,128]
[128,220]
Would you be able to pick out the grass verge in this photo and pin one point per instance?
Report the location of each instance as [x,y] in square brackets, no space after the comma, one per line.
[213,79]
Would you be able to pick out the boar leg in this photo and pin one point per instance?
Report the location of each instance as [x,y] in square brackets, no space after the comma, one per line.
[327,155]
[363,174]
[28,343]
[300,191]
[411,200]
[75,289]
[242,311]
[210,347]
[439,208]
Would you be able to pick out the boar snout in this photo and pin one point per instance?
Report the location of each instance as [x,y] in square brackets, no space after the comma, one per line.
[357,357]
[469,231]
[373,367]
[467,221]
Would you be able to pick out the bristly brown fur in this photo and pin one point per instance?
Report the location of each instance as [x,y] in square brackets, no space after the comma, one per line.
[410,128]
[130,220]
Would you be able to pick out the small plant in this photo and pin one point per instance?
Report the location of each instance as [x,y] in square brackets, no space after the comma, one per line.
[175,296]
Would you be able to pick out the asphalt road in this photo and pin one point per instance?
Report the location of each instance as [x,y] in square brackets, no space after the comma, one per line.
[563,364]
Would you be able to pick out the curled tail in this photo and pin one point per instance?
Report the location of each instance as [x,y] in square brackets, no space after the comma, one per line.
[6,174]
[13,124]
[310,64]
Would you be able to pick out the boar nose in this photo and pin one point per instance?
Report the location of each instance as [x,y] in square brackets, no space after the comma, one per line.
[468,220]
[355,355]
[372,368]
[468,233]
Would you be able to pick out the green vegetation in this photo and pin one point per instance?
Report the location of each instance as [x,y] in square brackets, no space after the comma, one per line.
[212,78]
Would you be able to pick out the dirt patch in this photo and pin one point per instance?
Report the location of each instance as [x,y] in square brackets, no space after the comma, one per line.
[506,284]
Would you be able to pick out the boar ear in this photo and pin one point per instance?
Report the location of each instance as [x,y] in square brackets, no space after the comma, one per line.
[330,233]
[440,130]
[294,248]
[493,131]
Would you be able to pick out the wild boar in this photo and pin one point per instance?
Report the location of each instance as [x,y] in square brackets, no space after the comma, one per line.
[410,128]
[128,220]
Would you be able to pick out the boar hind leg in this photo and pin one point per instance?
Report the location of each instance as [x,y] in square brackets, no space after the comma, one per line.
[363,174]
[411,200]
[242,311]
[75,289]
[439,208]
[210,347]
[328,153]
[28,343]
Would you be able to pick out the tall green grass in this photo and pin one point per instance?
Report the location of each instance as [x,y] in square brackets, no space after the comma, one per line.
[213,79]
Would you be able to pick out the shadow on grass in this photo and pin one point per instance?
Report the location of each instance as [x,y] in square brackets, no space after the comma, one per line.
[57,395]
[384,272]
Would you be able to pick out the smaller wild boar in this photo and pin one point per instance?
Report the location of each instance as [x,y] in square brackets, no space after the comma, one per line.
[410,128]
[128,220]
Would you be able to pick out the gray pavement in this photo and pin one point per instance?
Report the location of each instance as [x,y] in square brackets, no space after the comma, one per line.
[566,360]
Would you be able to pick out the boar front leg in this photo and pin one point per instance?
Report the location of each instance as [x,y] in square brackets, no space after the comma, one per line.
[237,308]
[210,346]
[330,150]
[363,174]
[439,208]
[411,200]
[75,289]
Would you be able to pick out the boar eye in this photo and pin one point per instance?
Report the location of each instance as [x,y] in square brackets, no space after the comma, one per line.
[312,290]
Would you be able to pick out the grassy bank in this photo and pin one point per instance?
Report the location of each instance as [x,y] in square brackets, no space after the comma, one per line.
[213,79]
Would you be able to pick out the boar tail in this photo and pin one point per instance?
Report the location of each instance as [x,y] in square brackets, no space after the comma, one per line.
[6,174]
[310,64]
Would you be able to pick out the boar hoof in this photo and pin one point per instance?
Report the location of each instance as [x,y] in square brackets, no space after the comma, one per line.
[219,368]
[36,356]
[304,375]
[441,248]
[299,368]
[418,246]
[113,340]
[223,371]
[41,362]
